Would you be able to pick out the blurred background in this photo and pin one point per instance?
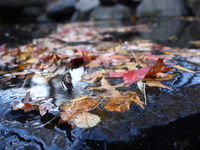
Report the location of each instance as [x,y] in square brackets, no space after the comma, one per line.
[81,10]
[172,22]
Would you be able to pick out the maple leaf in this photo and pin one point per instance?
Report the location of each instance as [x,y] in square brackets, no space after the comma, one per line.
[72,109]
[122,102]
[111,92]
[130,77]
[157,67]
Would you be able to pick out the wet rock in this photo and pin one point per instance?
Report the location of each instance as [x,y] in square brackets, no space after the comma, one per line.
[151,8]
[60,8]
[194,6]
[83,9]
[117,11]
[162,31]
[32,11]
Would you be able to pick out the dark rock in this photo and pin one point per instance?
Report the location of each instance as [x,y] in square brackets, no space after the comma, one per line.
[60,8]
[83,9]
[194,5]
[32,11]
[151,8]
[117,11]
[21,3]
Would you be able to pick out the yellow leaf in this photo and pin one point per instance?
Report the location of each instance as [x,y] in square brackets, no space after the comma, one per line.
[79,98]
[183,68]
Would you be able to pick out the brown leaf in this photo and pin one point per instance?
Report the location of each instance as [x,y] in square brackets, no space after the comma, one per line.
[111,92]
[72,109]
[28,107]
[122,103]
[93,77]
[157,84]
[26,99]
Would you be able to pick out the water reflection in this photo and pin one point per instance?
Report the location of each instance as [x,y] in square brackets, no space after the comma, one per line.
[161,31]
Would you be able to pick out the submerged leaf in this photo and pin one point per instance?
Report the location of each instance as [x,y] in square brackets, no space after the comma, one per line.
[86,120]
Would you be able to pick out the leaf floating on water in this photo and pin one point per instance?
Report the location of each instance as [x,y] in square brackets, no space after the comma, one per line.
[183,68]
[86,120]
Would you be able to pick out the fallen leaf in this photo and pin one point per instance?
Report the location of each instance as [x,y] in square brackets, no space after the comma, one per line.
[93,77]
[157,84]
[86,120]
[183,68]
[111,92]
[28,107]
[195,60]
[130,77]
[71,109]
[27,97]
[113,59]
[43,108]
[157,67]
[122,102]
[79,98]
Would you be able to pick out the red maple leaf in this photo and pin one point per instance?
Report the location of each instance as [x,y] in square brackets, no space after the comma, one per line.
[133,76]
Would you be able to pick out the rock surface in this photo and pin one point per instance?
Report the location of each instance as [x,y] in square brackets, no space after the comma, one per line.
[151,8]
[117,11]
[194,5]
[61,7]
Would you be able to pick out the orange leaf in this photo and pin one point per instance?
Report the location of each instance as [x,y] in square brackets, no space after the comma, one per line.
[72,109]
[122,103]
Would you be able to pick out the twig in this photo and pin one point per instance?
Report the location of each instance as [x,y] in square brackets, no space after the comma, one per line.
[98,103]
[145,96]
[47,122]
[24,83]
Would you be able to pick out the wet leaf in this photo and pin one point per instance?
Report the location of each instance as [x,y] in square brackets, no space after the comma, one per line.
[28,107]
[110,90]
[2,47]
[27,96]
[183,68]
[43,108]
[93,77]
[157,84]
[122,102]
[157,67]
[130,77]
[72,109]
[86,120]
[79,98]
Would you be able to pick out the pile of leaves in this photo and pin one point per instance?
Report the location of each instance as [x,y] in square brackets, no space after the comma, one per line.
[105,61]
